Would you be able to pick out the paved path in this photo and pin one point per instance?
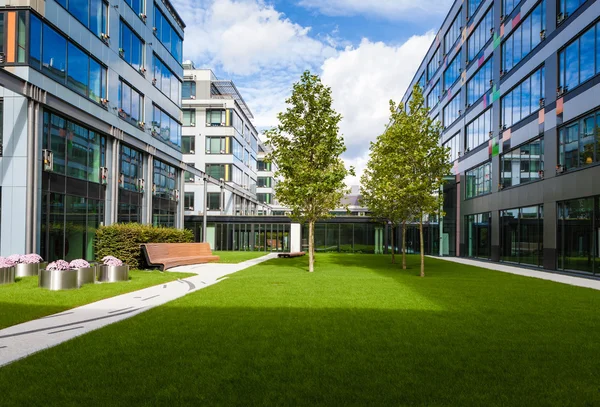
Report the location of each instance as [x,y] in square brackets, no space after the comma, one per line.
[544,275]
[19,341]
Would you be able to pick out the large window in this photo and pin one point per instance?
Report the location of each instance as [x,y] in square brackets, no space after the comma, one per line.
[131,47]
[165,180]
[479,236]
[579,142]
[189,117]
[219,171]
[524,99]
[136,5]
[508,6]
[452,110]
[454,145]
[434,63]
[521,235]
[91,13]
[479,181]
[480,82]
[188,144]
[165,80]
[473,5]
[453,33]
[188,90]
[264,182]
[477,131]
[576,60]
[214,201]
[168,36]
[263,166]
[481,35]
[264,198]
[131,168]
[237,176]
[217,145]
[568,7]
[452,73]
[188,176]
[522,165]
[238,150]
[64,62]
[433,98]
[524,38]
[578,238]
[131,104]
[188,201]
[165,127]
[216,117]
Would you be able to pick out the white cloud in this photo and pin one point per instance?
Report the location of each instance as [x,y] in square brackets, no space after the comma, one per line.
[363,80]
[406,10]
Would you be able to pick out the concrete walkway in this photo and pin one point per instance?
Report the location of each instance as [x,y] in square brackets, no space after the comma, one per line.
[544,275]
[19,341]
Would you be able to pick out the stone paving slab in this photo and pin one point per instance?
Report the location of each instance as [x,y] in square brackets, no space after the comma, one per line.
[544,275]
[19,341]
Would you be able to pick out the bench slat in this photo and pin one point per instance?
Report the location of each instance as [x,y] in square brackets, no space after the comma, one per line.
[168,255]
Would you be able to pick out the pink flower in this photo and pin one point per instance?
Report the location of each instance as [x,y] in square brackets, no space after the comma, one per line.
[30,258]
[58,265]
[79,264]
[112,261]
[14,258]
[5,262]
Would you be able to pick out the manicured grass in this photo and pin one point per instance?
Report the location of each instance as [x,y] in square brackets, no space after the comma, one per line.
[358,331]
[238,257]
[24,300]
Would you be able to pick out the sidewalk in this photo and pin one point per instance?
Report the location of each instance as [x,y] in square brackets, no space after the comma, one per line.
[19,341]
[544,275]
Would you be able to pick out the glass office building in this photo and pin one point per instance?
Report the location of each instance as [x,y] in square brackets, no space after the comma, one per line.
[91,120]
[526,140]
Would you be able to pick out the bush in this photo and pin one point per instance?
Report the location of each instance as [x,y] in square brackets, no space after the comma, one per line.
[123,241]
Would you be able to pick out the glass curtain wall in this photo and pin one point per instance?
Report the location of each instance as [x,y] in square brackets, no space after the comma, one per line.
[164,203]
[478,236]
[579,235]
[522,235]
[130,194]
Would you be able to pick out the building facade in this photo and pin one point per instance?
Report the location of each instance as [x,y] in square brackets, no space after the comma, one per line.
[91,121]
[515,85]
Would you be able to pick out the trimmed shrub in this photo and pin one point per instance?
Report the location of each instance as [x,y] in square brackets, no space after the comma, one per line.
[123,241]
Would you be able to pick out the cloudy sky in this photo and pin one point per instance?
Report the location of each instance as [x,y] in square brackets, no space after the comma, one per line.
[366,51]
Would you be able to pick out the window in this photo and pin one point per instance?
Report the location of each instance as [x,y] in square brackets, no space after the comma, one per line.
[479,83]
[508,6]
[479,181]
[65,62]
[131,104]
[454,145]
[263,198]
[478,235]
[264,166]
[434,96]
[189,117]
[187,175]
[472,7]
[481,35]
[579,142]
[91,13]
[237,123]
[165,127]
[219,171]
[477,131]
[452,110]
[568,7]
[521,235]
[522,165]
[217,145]
[254,143]
[238,150]
[165,180]
[136,5]
[264,182]
[131,47]
[188,144]
[576,60]
[452,73]
[434,64]
[524,99]
[188,90]
[237,176]
[524,38]
[577,234]
[252,163]
[216,117]
[453,33]
[167,35]
[165,80]
[421,82]
[131,168]
[214,201]
[188,201]
[1,126]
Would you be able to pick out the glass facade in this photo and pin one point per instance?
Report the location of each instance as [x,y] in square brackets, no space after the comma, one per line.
[522,235]
[568,7]
[452,110]
[523,165]
[479,235]
[454,147]
[131,104]
[576,61]
[479,181]
[131,47]
[525,37]
[167,35]
[480,82]
[481,35]
[433,98]
[477,131]
[453,33]
[164,203]
[165,80]
[165,128]
[130,193]
[434,64]
[524,99]
[136,5]
[473,5]
[579,235]
[452,73]
[579,142]
[91,13]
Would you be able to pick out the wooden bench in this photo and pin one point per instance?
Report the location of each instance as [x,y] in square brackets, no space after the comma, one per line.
[290,255]
[168,255]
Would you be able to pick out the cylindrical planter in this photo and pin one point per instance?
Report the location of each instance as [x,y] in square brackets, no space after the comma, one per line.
[7,275]
[27,270]
[55,280]
[86,275]
[113,274]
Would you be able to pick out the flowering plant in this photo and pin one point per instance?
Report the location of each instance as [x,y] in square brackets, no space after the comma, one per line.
[112,261]
[6,262]
[79,264]
[30,258]
[14,258]
[58,265]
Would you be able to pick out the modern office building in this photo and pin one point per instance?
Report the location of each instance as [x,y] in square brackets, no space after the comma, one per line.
[516,85]
[91,121]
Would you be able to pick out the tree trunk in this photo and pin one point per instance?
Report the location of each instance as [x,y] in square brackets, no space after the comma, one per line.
[422,247]
[311,246]
[404,245]
[393,251]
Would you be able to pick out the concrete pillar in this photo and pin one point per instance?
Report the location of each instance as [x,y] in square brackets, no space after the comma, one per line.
[295,238]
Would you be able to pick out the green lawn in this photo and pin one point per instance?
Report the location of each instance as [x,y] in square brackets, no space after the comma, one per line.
[24,300]
[238,257]
[356,332]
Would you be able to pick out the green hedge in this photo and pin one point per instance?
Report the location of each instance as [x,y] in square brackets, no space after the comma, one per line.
[123,241]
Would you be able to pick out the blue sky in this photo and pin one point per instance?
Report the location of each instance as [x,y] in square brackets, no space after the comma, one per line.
[366,51]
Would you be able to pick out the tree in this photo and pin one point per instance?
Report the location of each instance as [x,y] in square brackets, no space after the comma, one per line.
[306,147]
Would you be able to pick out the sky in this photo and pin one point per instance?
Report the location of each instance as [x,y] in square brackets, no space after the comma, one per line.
[367,51]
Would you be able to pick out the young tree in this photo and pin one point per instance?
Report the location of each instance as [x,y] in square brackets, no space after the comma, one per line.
[307,148]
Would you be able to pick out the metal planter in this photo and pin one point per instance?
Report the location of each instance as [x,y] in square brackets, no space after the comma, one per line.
[27,270]
[86,275]
[7,275]
[113,274]
[55,280]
